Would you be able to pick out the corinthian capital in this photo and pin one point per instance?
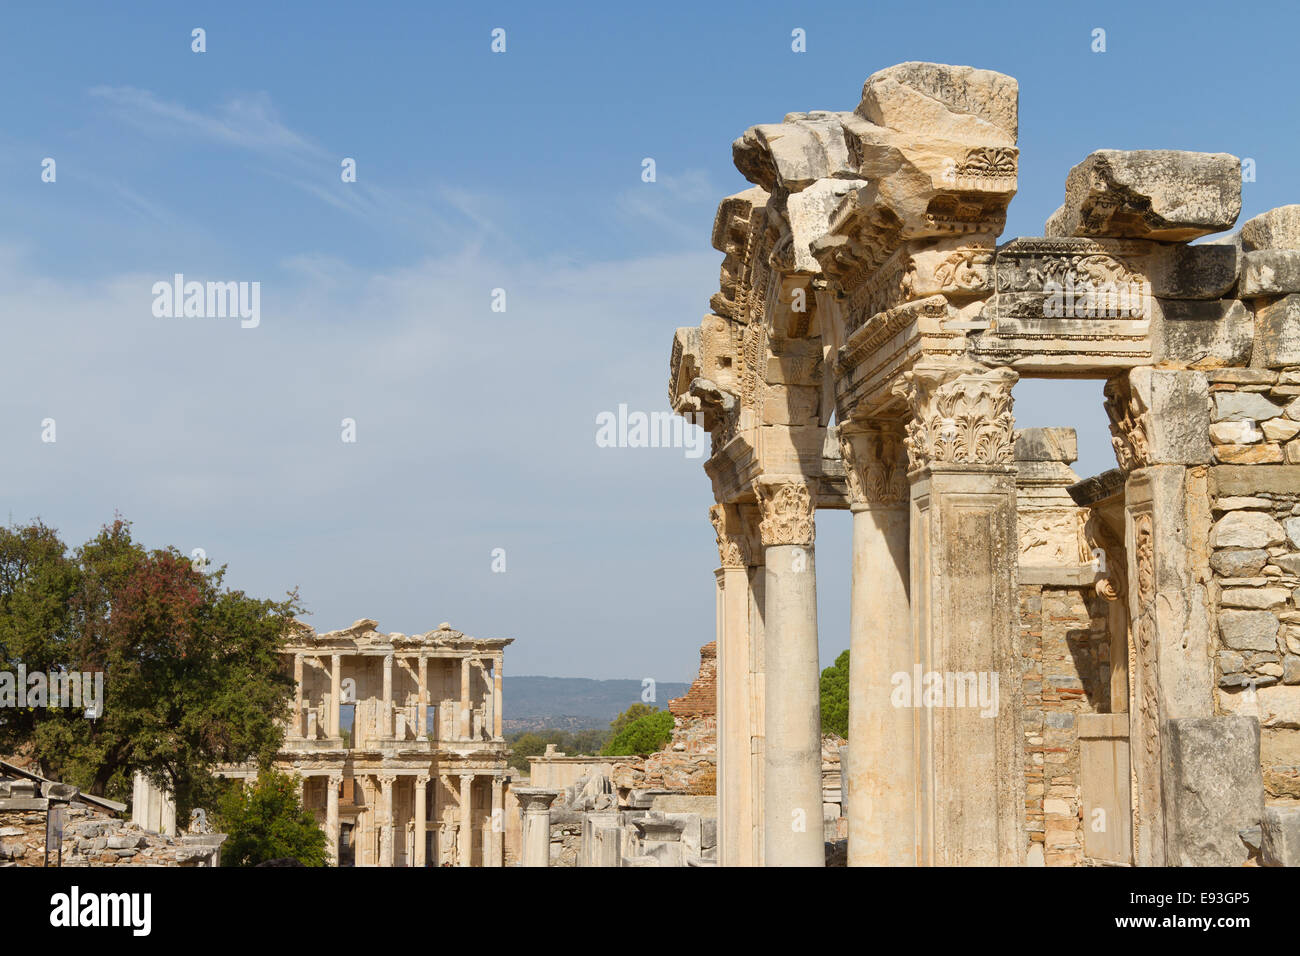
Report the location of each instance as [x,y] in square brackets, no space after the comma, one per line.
[875,462]
[787,511]
[733,548]
[961,415]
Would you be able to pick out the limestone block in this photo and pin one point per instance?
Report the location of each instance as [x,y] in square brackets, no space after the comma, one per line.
[790,156]
[946,102]
[1046,444]
[1249,454]
[1162,194]
[1178,433]
[810,212]
[1292,528]
[1276,229]
[1269,272]
[1277,706]
[1242,432]
[1280,845]
[1277,333]
[1234,564]
[1280,429]
[1201,332]
[1244,406]
[1248,630]
[1254,598]
[1213,789]
[1202,271]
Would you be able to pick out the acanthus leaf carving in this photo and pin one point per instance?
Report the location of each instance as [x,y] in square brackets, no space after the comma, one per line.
[960,415]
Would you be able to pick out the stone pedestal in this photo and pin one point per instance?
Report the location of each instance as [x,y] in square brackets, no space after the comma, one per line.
[536,805]
[792,812]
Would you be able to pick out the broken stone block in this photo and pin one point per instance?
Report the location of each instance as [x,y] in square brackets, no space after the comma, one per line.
[1201,332]
[1269,272]
[1276,229]
[1277,334]
[1280,842]
[1246,529]
[957,103]
[1213,789]
[1236,564]
[1162,194]
[1205,271]
[1248,630]
[1243,406]
[1180,435]
[1242,432]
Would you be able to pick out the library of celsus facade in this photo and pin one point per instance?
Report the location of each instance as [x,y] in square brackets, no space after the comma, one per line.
[397,739]
[1043,669]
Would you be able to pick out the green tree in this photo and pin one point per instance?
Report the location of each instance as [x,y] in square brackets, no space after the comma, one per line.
[835,697]
[634,712]
[267,822]
[192,672]
[644,735]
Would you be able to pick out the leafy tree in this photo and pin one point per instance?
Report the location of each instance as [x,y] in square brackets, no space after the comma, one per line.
[267,822]
[835,697]
[192,672]
[644,735]
[632,713]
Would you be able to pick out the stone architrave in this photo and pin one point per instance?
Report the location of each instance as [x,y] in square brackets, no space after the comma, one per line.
[881,784]
[792,811]
[965,681]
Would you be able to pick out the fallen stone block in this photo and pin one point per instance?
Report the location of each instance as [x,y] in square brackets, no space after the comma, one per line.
[1214,789]
[1162,194]
[1280,840]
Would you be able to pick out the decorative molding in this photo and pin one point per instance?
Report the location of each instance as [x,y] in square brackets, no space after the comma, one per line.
[961,415]
[788,512]
[1112,583]
[732,546]
[1128,424]
[875,462]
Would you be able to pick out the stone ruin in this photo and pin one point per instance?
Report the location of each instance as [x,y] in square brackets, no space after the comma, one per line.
[1044,669]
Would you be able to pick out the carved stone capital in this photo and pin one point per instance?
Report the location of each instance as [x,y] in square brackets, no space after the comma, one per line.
[875,462]
[733,547]
[336,780]
[387,779]
[787,511]
[961,415]
[1128,424]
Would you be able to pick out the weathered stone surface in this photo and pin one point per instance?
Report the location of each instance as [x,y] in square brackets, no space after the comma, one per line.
[1249,454]
[1269,272]
[1243,432]
[1246,529]
[1234,502]
[1214,789]
[1046,444]
[1290,563]
[1277,706]
[1244,406]
[1179,435]
[1254,597]
[1280,842]
[1280,429]
[1201,332]
[1202,271]
[1249,480]
[1290,668]
[1248,630]
[1233,564]
[1162,194]
[1277,333]
[948,102]
[790,156]
[1276,229]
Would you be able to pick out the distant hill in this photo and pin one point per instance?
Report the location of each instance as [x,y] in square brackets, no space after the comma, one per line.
[574,703]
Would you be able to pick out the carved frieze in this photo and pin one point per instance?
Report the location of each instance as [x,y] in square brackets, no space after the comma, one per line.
[1128,424]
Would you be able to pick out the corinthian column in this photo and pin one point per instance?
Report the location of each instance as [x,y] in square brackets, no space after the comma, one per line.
[792,811]
[386,781]
[332,817]
[966,670]
[735,784]
[880,786]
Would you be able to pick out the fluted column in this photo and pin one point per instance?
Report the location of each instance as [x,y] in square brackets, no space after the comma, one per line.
[735,779]
[964,559]
[386,782]
[421,818]
[422,707]
[792,812]
[332,817]
[466,841]
[386,713]
[464,698]
[879,779]
[336,692]
[295,727]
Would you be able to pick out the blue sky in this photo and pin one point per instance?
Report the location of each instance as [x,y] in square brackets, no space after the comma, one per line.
[479,171]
